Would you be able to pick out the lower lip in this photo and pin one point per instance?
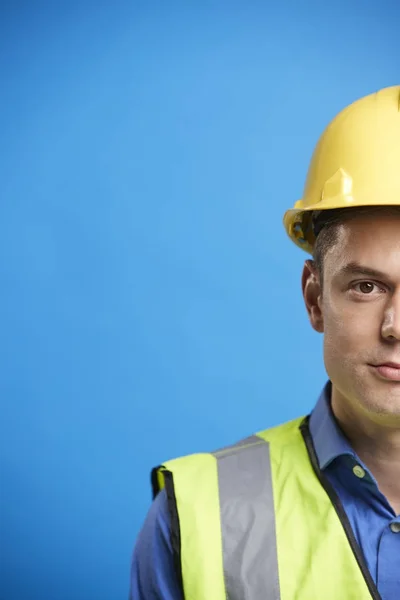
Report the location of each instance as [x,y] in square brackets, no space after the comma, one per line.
[391,373]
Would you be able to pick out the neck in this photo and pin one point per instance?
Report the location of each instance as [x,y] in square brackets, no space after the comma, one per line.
[376,443]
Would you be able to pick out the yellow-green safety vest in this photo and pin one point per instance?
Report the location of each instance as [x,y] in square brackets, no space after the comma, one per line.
[259,521]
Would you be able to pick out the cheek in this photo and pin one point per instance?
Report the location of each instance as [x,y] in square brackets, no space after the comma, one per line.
[343,346]
[350,330]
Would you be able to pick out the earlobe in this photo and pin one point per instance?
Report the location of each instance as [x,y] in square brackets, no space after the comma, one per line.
[311,286]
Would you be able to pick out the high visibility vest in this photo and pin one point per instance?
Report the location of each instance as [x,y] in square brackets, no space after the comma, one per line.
[259,521]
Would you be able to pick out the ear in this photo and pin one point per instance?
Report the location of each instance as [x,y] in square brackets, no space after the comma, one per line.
[312,294]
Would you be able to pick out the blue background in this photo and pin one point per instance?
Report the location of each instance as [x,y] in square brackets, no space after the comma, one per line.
[150,299]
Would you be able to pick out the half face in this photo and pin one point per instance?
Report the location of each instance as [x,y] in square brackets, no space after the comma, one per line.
[359,313]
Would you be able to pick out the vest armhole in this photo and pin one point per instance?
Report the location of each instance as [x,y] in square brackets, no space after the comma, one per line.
[155,485]
[175,530]
[174,526]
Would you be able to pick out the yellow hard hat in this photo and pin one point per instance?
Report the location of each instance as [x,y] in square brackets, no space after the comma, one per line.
[355,163]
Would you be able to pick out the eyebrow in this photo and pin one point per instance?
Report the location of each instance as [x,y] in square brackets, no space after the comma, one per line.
[355,268]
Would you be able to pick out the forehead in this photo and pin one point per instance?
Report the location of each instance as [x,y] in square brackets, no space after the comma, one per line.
[372,240]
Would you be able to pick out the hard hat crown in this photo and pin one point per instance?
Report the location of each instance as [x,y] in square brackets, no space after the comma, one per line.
[356,162]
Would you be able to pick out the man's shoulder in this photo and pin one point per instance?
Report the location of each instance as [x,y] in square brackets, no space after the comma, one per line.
[282,433]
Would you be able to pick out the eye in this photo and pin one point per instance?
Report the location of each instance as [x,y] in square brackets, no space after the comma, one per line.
[366,287]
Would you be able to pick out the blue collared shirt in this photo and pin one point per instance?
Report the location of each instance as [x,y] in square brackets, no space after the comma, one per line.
[374,523]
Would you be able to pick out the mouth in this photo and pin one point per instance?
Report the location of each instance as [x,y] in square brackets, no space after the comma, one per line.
[389,371]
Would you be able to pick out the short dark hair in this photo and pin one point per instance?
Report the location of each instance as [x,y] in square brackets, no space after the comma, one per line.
[327,223]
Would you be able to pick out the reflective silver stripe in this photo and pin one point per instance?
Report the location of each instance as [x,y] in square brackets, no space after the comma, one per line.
[248,521]
[253,439]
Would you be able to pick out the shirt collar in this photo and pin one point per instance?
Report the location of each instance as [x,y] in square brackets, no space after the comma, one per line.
[329,441]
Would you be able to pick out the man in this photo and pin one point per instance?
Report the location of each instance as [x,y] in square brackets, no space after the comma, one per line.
[309,510]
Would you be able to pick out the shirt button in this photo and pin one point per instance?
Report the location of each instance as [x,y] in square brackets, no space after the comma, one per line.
[359,471]
[395,527]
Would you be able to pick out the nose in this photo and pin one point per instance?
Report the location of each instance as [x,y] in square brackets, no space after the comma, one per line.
[391,320]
